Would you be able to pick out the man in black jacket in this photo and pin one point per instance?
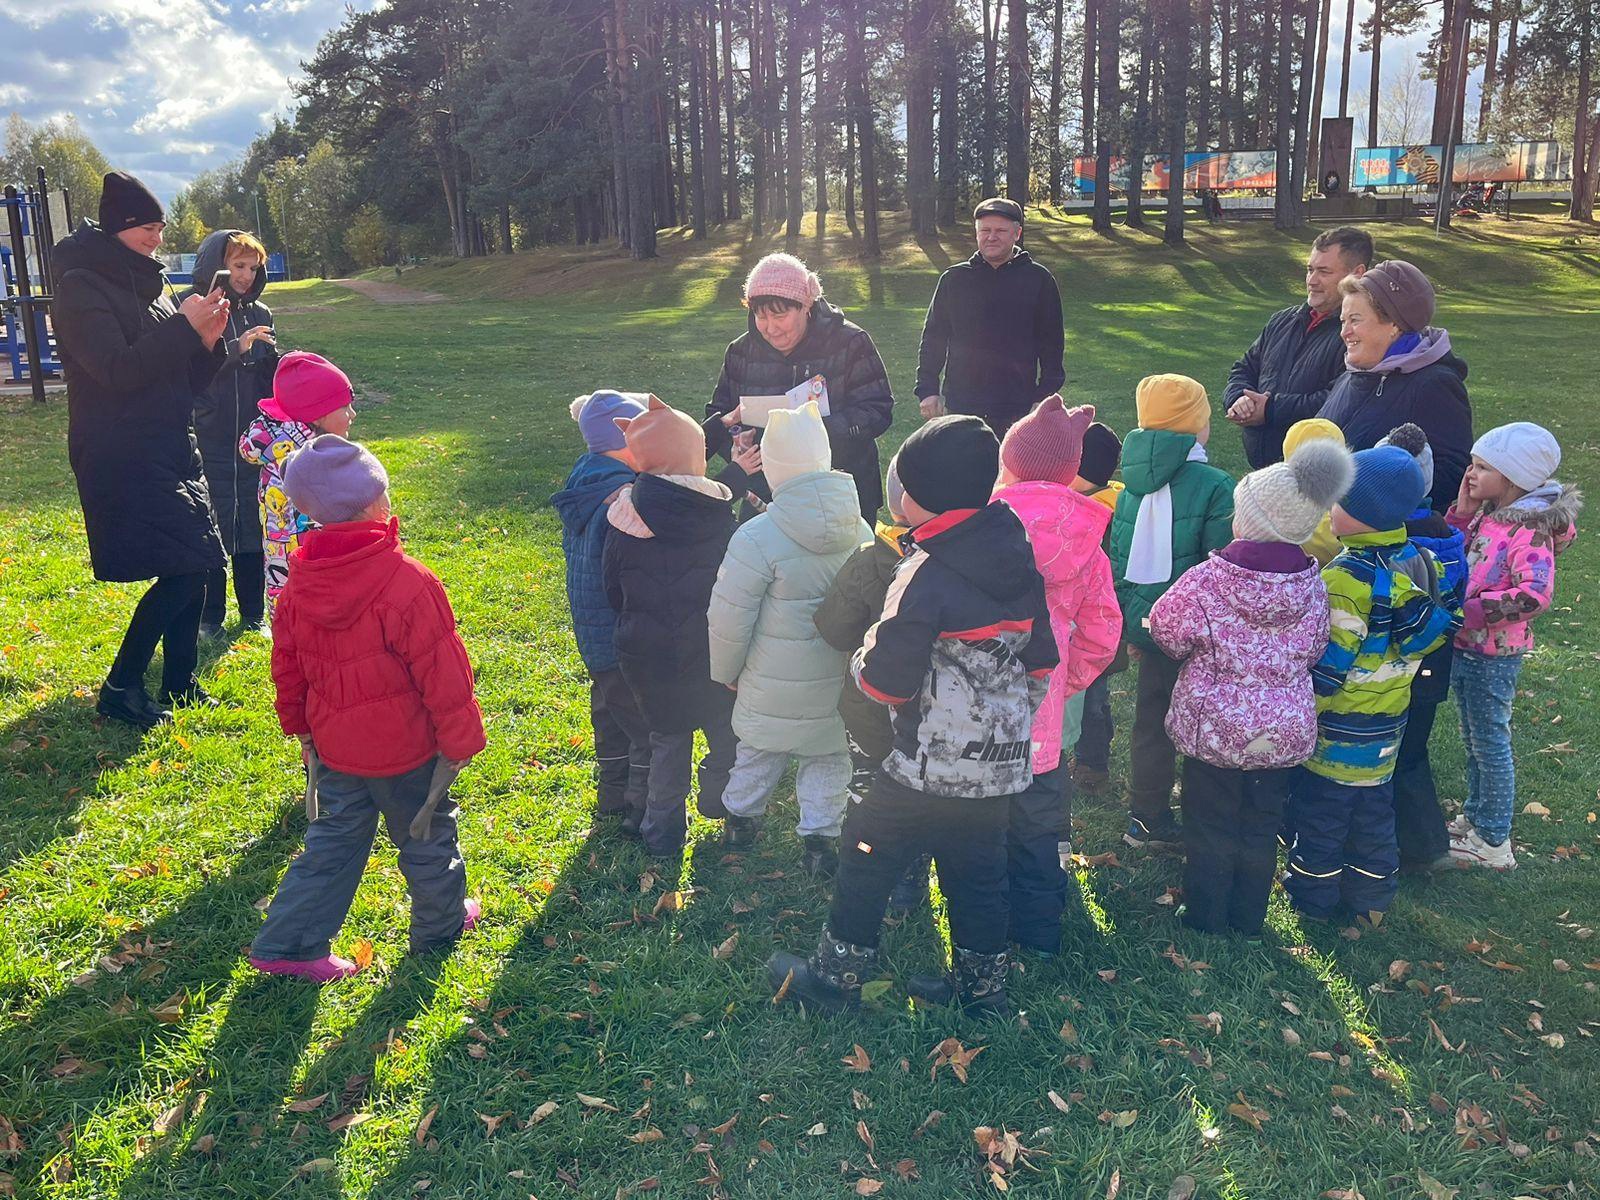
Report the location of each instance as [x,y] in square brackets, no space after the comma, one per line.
[993,329]
[1288,370]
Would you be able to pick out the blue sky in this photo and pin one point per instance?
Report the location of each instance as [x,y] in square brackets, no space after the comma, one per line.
[169,88]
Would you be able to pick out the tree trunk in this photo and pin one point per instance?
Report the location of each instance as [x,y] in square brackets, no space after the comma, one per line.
[1108,40]
[1581,207]
[849,150]
[678,214]
[505,229]
[619,138]
[1224,82]
[1456,118]
[1444,75]
[1344,62]
[949,116]
[1141,119]
[797,141]
[920,197]
[1311,160]
[1019,96]
[819,118]
[1491,60]
[772,92]
[735,206]
[1054,188]
[697,149]
[866,134]
[1283,194]
[1591,175]
[641,172]
[1305,118]
[715,197]
[1508,70]
[1091,17]
[1377,77]
[1180,19]
[1269,87]
[758,117]
[986,129]
[1202,123]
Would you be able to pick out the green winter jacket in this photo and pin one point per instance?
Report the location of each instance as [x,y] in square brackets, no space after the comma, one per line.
[1202,517]
[778,568]
[853,604]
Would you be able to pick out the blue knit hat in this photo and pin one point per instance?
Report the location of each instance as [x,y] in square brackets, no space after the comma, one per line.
[593,414]
[1388,487]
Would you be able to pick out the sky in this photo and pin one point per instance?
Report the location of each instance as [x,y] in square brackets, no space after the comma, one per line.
[170,88]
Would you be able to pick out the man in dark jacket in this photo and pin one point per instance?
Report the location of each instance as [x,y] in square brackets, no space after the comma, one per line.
[223,411]
[1285,375]
[134,360]
[993,330]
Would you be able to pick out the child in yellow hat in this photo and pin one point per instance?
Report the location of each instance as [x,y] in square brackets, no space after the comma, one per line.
[1323,546]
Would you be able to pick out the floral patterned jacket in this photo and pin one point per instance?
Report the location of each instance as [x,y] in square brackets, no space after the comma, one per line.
[1511,567]
[267,443]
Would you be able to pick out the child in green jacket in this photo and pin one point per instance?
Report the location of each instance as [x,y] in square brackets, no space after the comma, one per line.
[1174,510]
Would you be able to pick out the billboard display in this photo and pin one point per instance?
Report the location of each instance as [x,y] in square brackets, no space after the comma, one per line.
[1476,162]
[1227,170]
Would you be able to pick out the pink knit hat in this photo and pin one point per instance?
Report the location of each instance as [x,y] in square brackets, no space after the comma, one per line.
[306,387]
[1047,444]
[786,276]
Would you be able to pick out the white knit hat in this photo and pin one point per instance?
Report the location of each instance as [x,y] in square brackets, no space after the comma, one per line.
[795,444]
[1286,501]
[1525,453]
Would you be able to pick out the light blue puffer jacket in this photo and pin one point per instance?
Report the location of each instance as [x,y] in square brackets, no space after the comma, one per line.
[778,568]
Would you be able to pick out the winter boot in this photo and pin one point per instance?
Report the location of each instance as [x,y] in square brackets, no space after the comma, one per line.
[830,980]
[132,706]
[977,984]
[821,856]
[739,833]
[912,890]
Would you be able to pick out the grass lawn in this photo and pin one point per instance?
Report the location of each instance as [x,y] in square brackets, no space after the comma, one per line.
[608,1031]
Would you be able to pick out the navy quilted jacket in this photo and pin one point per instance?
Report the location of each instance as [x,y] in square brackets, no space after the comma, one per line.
[582,506]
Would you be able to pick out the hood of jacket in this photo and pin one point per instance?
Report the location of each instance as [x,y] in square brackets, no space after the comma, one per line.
[988,547]
[680,512]
[90,248]
[1269,602]
[820,510]
[595,478]
[1433,346]
[1066,528]
[1017,258]
[1107,495]
[1551,509]
[1152,457]
[339,568]
[212,257]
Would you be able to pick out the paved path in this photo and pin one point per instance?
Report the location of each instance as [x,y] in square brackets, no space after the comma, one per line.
[388,293]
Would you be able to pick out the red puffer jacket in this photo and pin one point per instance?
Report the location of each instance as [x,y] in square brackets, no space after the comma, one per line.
[366,656]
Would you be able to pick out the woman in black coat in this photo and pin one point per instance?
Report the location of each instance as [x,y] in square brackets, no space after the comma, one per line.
[134,360]
[794,335]
[224,411]
[1400,370]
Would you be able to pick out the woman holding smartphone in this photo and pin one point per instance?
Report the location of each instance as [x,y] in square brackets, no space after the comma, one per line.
[236,263]
[134,359]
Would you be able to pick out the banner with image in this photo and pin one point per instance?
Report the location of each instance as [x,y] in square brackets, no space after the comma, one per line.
[1475,162]
[1225,170]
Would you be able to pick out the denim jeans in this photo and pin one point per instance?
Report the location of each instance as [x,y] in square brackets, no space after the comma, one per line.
[1485,689]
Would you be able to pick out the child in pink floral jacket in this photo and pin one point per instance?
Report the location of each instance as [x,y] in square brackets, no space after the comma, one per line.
[1248,624]
[1517,519]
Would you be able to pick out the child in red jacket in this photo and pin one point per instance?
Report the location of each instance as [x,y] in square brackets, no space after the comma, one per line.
[374,680]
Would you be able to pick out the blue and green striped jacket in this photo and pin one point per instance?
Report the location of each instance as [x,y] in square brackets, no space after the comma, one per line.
[1383,624]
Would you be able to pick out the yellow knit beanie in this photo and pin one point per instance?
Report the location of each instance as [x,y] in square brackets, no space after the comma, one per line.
[1310,430]
[1173,402]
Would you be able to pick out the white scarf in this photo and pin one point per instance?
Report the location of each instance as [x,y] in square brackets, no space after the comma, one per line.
[1150,555]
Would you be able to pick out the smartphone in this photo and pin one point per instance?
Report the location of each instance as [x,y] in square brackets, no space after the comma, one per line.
[222,279]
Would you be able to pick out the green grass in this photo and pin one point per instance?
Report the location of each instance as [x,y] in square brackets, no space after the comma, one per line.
[143,860]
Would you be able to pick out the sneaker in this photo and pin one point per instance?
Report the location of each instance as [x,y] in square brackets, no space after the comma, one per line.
[1091,781]
[210,631]
[1458,826]
[327,969]
[821,859]
[131,706]
[740,833]
[1159,833]
[1473,851]
[190,695]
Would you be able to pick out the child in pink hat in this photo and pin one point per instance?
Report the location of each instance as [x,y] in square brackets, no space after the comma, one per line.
[309,396]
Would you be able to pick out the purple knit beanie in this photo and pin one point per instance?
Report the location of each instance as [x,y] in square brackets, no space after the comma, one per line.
[593,414]
[332,480]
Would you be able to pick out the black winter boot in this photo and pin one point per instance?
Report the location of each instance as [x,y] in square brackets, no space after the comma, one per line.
[132,706]
[830,980]
[977,984]
[740,833]
[821,856]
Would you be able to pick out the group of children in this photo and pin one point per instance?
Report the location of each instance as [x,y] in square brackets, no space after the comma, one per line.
[1291,635]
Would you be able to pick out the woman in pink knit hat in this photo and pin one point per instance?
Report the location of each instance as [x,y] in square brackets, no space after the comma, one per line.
[795,335]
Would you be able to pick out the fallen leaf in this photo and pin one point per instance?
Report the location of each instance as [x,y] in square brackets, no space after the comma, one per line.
[668,902]
[1120,1120]
[874,990]
[314,1166]
[310,1104]
[931,1121]
[421,1134]
[1107,976]
[1398,970]
[1211,1021]
[1444,1041]
[645,1136]
[539,1114]
[860,1100]
[1069,1032]
[726,949]
[1534,809]
[1248,1113]
[857,1060]
[1342,1194]
[595,1102]
[171,1118]
[1182,1188]
[868,1187]
[1290,1037]
[817,1130]
[361,954]
[1433,1189]
[726,1127]
[783,988]
[1114,1188]
[205,1143]
[1056,1099]
[865,1135]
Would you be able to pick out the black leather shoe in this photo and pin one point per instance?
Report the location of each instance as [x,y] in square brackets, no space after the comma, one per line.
[131,706]
[821,857]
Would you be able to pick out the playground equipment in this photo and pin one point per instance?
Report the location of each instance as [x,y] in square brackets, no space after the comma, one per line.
[28,345]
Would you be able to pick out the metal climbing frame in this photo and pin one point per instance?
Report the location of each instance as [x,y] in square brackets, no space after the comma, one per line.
[28,343]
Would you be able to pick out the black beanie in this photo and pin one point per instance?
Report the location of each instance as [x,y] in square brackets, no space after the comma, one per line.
[951,462]
[1102,453]
[126,203]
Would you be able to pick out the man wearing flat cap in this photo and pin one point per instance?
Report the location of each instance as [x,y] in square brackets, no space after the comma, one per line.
[993,338]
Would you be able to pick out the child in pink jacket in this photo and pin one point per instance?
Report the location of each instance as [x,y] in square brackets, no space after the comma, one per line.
[1038,462]
[1517,519]
[1248,623]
